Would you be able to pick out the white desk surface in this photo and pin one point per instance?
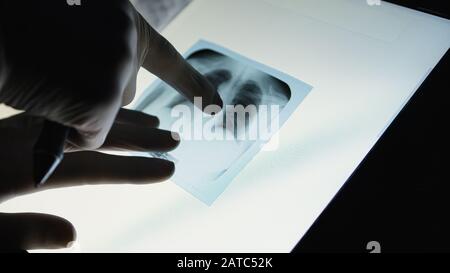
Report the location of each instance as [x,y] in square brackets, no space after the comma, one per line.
[364,63]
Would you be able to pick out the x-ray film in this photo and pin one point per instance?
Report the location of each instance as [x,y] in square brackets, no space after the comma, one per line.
[215,148]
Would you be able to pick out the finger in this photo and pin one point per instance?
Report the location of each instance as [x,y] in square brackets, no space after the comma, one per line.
[162,59]
[136,118]
[92,136]
[92,168]
[34,231]
[76,168]
[130,137]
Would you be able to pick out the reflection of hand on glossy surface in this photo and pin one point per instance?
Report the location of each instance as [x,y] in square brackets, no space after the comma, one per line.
[131,131]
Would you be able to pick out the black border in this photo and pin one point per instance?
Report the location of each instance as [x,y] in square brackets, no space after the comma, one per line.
[397,194]
[434,7]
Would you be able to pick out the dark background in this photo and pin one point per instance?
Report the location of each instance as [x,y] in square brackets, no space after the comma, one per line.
[435,7]
[399,195]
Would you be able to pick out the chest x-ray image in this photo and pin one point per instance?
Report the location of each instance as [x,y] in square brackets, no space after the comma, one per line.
[255,101]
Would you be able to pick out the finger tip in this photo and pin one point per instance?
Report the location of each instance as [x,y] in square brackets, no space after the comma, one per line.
[156,170]
[51,232]
[154,121]
[214,108]
[67,233]
[218,101]
[212,99]
[171,169]
[169,166]
[166,170]
[175,137]
[171,143]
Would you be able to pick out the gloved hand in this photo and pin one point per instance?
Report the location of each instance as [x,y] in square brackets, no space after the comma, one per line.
[77,65]
[25,231]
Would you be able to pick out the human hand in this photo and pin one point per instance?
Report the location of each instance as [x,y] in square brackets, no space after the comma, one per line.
[131,131]
[77,65]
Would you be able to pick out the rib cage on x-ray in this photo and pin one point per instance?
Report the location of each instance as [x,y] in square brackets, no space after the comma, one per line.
[237,85]
[214,147]
[244,85]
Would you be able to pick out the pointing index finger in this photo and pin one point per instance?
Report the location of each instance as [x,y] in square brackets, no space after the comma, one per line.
[161,58]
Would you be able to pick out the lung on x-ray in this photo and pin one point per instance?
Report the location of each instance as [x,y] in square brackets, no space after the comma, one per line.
[214,148]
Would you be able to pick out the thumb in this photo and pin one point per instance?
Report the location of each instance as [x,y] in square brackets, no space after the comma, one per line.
[34,231]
